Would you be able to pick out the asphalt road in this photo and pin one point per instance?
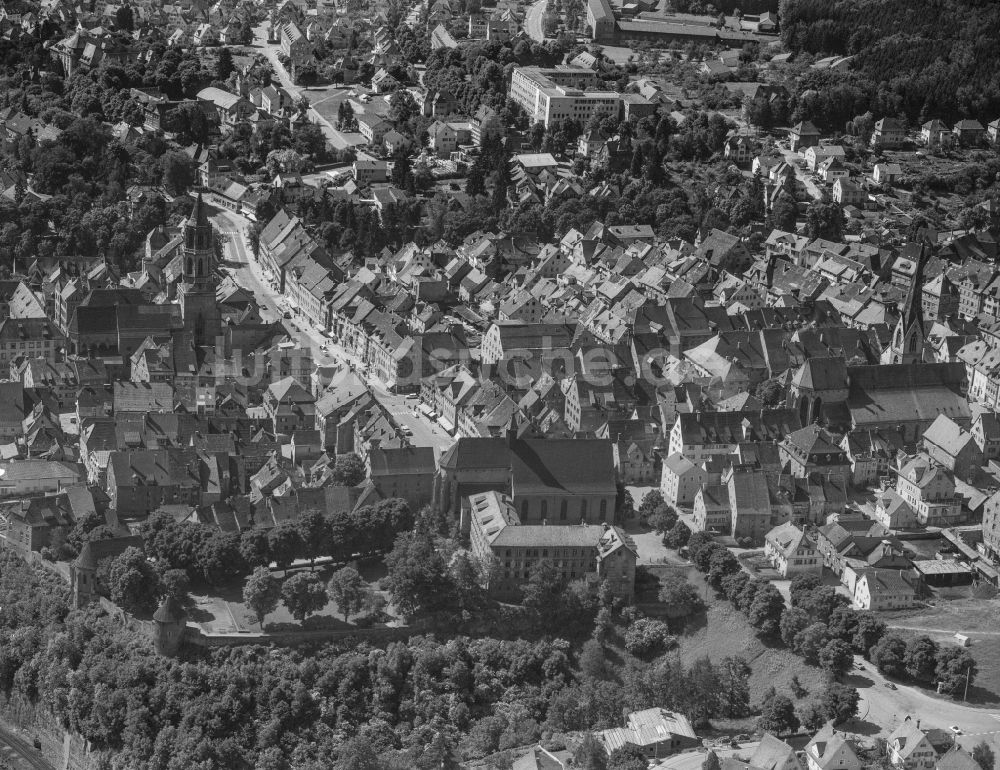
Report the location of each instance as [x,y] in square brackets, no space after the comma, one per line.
[19,752]
[802,174]
[885,708]
[251,276]
[270,51]
[533,21]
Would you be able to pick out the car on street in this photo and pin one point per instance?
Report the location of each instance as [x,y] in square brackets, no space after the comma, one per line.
[890,685]
[956,729]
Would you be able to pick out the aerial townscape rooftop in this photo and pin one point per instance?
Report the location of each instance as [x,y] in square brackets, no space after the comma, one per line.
[500,385]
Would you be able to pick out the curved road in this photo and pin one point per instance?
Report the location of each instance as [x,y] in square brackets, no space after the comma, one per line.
[886,708]
[19,752]
[533,21]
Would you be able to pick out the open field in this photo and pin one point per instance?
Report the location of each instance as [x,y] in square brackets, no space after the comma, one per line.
[723,631]
[979,619]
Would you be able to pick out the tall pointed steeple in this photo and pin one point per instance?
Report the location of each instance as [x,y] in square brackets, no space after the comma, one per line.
[196,291]
[197,229]
[908,337]
[913,311]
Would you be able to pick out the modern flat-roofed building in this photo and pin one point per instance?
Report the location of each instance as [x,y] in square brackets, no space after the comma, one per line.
[560,93]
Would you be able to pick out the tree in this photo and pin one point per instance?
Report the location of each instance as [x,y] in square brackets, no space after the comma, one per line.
[314,532]
[219,558]
[224,64]
[793,622]
[303,594]
[822,602]
[418,579]
[920,659]
[401,169]
[711,761]
[475,182]
[662,519]
[124,18]
[734,687]
[647,636]
[784,212]
[825,220]
[545,591]
[254,548]
[438,755]
[956,670]
[810,640]
[347,589]
[176,172]
[812,715]
[836,657]
[721,565]
[261,593]
[132,582]
[590,755]
[593,662]
[682,598]
[889,655]
[246,33]
[628,757]
[678,536]
[652,500]
[175,584]
[778,716]
[402,107]
[984,756]
[188,121]
[765,611]
[769,392]
[696,543]
[801,586]
[839,701]
[357,754]
[348,470]
[843,623]
[867,634]
[284,544]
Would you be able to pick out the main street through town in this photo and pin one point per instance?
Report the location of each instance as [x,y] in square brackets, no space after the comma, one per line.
[249,274]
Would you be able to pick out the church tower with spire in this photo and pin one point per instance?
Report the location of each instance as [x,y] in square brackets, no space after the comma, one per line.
[909,336]
[196,291]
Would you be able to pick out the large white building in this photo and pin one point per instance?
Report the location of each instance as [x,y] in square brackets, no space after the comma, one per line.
[560,93]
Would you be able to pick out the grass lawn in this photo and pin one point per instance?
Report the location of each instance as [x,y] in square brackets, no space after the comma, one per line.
[225,612]
[979,619]
[724,631]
